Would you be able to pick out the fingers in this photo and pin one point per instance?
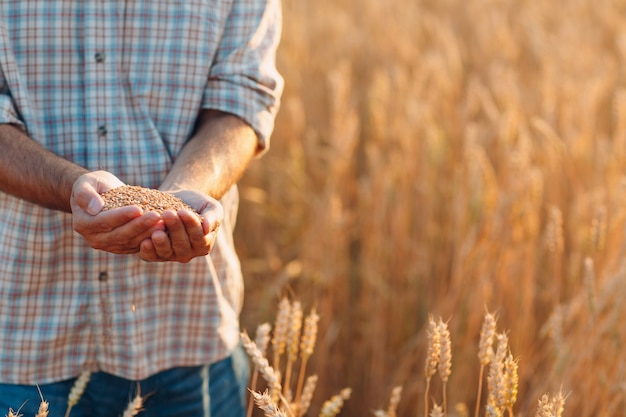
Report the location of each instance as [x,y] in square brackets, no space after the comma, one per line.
[87,189]
[184,238]
[118,231]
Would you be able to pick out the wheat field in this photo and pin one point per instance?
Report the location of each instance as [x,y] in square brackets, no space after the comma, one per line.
[448,157]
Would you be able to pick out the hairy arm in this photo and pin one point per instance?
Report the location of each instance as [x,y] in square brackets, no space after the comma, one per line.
[216,156]
[31,172]
[212,161]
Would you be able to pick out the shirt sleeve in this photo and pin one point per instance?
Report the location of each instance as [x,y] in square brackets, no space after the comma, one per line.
[8,111]
[243,79]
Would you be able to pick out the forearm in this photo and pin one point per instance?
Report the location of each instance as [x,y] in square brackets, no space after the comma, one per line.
[215,158]
[31,172]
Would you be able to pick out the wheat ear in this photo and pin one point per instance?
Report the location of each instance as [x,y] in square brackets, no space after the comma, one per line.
[332,407]
[261,339]
[394,400]
[485,352]
[432,357]
[437,411]
[307,395]
[445,360]
[293,340]
[271,376]
[77,391]
[135,406]
[279,341]
[307,346]
[43,406]
[510,383]
[265,402]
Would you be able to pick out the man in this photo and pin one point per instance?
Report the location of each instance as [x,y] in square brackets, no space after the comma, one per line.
[174,95]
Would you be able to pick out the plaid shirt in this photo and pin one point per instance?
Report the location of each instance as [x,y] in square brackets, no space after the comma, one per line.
[117,85]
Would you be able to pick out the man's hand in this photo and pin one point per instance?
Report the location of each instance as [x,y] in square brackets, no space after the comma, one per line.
[118,230]
[185,236]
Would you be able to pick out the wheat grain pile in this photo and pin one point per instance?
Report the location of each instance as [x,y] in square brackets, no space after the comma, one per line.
[146,198]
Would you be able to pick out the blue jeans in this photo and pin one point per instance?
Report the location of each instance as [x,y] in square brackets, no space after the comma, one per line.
[217,390]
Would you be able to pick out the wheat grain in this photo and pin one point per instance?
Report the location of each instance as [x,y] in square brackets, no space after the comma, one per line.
[146,198]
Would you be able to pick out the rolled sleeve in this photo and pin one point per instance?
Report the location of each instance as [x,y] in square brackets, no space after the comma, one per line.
[243,79]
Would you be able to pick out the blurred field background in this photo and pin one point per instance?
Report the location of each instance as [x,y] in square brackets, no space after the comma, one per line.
[448,157]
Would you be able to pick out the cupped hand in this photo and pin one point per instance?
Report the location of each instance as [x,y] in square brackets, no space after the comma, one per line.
[186,236]
[119,230]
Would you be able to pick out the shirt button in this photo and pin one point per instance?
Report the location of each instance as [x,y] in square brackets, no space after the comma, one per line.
[103,276]
[102,130]
[99,57]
